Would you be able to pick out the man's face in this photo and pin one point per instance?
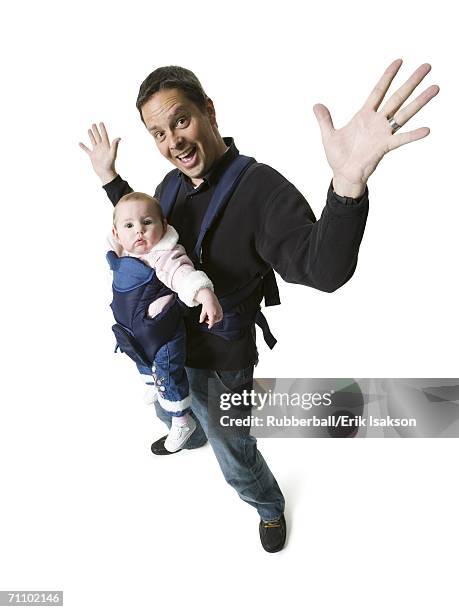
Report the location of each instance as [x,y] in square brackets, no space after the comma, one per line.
[184,135]
[138,226]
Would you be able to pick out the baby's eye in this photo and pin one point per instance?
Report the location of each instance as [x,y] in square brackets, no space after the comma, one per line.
[128,225]
[147,222]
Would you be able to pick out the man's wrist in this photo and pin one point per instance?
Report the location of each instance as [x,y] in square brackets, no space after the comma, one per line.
[345,189]
[108,177]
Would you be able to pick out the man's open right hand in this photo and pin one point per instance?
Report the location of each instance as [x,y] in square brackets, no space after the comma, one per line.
[103,153]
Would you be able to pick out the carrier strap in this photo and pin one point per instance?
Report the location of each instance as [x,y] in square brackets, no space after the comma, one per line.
[169,193]
[270,289]
[225,187]
[223,191]
[262,323]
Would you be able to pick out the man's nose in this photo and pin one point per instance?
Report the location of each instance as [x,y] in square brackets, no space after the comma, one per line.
[176,142]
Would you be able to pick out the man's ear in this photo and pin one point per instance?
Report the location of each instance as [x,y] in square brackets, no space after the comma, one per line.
[211,112]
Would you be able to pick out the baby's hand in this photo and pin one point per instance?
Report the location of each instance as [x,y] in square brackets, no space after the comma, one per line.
[211,310]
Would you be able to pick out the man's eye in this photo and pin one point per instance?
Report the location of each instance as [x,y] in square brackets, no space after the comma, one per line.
[182,121]
[159,135]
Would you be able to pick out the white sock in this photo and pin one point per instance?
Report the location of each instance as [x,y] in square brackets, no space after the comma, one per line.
[181,420]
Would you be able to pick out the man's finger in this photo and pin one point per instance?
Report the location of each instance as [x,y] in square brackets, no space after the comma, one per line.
[398,140]
[85,148]
[114,146]
[104,134]
[324,119]
[379,91]
[91,138]
[404,92]
[409,111]
[97,136]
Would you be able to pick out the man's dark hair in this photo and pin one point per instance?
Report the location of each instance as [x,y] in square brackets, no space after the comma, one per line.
[172,77]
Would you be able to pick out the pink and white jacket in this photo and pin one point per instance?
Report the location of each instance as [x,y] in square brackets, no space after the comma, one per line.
[173,267]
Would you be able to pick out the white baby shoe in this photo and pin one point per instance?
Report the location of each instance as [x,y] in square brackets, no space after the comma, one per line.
[179,433]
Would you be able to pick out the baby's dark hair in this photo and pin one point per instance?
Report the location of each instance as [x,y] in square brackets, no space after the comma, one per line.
[142,197]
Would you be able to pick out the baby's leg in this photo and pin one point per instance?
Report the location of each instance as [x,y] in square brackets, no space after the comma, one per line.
[173,390]
[150,395]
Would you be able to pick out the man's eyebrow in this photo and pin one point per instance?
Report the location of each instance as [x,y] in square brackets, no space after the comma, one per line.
[180,109]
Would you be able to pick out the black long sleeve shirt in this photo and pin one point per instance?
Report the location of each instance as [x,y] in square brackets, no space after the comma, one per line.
[267,222]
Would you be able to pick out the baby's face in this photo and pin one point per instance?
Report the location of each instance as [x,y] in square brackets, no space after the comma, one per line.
[138,226]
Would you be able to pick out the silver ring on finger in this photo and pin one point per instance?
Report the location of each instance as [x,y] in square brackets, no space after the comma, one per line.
[393,124]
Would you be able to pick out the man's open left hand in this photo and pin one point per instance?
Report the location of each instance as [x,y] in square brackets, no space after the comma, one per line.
[355,150]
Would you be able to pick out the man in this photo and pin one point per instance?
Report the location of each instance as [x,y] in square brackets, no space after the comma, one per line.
[267,224]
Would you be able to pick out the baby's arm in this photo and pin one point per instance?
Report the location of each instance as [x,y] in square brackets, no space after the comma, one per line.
[211,311]
[175,269]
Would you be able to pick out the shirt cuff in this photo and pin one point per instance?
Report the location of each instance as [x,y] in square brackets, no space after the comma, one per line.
[341,203]
[113,183]
[116,188]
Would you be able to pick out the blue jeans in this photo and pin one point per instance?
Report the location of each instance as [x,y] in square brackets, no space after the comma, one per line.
[241,462]
[168,374]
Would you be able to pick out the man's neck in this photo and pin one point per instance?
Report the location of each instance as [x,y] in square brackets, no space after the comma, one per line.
[222,149]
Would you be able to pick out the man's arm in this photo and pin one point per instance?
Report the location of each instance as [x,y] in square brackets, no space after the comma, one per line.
[116,189]
[323,254]
[320,254]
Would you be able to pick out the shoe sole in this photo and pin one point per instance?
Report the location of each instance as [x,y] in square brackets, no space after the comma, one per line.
[157,448]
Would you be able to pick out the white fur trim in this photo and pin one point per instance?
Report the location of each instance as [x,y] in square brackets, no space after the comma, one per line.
[177,406]
[192,284]
[168,241]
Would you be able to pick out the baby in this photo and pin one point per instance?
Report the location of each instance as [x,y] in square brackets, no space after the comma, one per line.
[149,268]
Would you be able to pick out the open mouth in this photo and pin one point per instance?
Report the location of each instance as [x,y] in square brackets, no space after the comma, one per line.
[188,158]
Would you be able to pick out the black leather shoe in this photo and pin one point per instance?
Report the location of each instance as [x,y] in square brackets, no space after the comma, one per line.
[273,534]
[157,448]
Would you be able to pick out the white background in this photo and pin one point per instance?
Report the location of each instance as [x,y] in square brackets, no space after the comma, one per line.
[85,507]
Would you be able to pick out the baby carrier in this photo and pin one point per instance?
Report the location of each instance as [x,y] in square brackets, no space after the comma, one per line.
[135,286]
[234,323]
